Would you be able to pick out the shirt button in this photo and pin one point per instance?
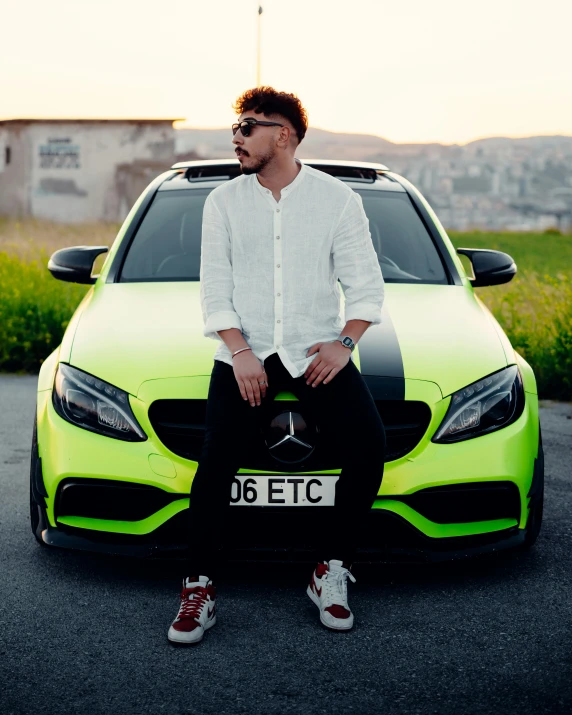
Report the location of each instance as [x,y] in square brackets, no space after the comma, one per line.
[277,265]
[278,237]
[278,346]
[278,321]
[277,293]
[277,211]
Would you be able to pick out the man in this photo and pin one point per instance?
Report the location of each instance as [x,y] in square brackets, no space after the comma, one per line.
[275,241]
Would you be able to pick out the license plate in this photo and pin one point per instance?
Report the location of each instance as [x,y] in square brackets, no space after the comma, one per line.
[273,490]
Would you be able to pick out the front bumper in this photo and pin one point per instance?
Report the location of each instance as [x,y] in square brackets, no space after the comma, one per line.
[388,536]
[396,529]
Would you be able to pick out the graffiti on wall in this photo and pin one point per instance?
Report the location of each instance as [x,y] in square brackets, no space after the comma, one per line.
[59,153]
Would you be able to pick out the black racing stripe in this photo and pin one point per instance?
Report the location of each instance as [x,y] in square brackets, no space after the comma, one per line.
[381,362]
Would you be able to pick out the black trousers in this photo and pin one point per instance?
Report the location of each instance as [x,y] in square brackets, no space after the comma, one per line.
[345,404]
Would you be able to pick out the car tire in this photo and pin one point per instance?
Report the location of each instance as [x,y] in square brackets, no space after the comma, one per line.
[536,494]
[35,506]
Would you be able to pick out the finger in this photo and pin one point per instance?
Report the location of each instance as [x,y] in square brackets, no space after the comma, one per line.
[242,390]
[310,370]
[310,367]
[249,392]
[330,377]
[317,368]
[322,375]
[255,390]
[263,387]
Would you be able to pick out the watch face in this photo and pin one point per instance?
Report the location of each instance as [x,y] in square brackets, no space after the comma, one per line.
[348,342]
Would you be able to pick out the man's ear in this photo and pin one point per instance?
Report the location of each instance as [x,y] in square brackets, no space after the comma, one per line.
[284,136]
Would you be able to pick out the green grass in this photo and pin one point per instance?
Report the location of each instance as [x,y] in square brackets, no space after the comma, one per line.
[543,253]
[35,310]
[534,309]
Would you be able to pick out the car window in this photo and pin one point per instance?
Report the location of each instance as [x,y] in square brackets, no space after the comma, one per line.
[403,245]
[167,246]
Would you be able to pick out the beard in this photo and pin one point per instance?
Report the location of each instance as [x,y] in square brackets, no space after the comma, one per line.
[262,161]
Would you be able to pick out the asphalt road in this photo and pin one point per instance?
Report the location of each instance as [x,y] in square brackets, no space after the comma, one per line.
[87,634]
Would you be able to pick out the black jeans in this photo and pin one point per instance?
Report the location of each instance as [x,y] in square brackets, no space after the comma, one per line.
[345,404]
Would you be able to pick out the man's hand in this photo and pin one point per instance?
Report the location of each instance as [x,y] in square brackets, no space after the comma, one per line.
[330,359]
[249,373]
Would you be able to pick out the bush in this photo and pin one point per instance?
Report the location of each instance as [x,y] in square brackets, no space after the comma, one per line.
[535,312]
[35,310]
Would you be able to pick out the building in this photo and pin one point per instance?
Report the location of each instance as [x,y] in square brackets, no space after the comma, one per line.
[76,170]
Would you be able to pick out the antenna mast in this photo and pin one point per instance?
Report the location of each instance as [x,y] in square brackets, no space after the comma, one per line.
[258,51]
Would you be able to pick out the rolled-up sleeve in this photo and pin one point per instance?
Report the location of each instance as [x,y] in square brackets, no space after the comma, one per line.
[216,279]
[356,264]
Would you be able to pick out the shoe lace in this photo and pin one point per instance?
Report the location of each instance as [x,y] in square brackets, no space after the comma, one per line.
[336,586]
[192,602]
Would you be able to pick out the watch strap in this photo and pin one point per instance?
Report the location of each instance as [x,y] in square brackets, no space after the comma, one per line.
[347,341]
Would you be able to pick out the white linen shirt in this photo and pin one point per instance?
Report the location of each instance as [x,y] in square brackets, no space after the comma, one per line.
[270,268]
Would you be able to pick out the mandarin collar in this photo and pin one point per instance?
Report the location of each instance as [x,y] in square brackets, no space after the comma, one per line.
[287,190]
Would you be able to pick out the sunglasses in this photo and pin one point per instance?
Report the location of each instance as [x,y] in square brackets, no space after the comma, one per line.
[246,126]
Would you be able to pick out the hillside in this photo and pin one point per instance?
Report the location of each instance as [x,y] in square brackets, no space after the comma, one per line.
[319,143]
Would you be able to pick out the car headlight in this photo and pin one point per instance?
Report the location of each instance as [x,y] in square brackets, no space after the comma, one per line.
[483,406]
[95,405]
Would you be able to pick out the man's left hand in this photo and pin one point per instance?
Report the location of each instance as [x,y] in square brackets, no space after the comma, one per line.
[330,359]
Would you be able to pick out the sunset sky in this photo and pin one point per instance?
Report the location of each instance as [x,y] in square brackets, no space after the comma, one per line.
[419,71]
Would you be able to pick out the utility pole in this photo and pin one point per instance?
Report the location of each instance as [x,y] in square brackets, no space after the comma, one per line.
[258,51]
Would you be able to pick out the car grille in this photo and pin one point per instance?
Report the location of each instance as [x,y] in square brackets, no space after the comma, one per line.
[180,425]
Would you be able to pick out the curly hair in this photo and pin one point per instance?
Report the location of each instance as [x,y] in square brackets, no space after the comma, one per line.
[266,100]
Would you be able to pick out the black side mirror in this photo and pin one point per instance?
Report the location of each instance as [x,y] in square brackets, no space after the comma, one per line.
[74,264]
[491,268]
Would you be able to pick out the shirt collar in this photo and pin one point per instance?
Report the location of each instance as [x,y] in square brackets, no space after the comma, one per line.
[287,190]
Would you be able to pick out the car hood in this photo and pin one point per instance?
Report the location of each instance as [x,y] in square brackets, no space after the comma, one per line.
[129,333]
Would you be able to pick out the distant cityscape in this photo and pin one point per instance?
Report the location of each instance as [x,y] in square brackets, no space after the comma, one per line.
[495,184]
[79,170]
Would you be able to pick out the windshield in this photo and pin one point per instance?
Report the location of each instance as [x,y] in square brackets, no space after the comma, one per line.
[167,246]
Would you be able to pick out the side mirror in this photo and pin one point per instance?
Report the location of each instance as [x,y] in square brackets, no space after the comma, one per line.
[74,264]
[490,267]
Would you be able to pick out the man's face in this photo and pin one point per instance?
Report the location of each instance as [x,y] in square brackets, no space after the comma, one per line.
[257,149]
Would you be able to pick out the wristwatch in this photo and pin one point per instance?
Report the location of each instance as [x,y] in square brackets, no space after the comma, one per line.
[347,341]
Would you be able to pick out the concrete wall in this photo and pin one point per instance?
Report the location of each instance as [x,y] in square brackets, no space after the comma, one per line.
[14,177]
[69,171]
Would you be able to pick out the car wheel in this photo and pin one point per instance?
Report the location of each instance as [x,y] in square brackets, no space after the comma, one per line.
[536,494]
[35,499]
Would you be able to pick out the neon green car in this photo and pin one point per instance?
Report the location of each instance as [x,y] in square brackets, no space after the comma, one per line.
[120,416]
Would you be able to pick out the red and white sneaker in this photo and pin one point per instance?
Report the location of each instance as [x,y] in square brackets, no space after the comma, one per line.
[329,590]
[196,613]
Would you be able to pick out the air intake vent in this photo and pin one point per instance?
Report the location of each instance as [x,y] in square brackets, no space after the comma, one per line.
[211,173]
[367,176]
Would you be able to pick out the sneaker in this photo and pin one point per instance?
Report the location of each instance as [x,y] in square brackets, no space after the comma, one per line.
[196,612]
[329,590]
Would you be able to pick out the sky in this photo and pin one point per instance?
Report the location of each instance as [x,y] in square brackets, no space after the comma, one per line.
[448,71]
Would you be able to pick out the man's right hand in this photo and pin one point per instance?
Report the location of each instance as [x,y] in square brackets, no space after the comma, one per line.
[249,372]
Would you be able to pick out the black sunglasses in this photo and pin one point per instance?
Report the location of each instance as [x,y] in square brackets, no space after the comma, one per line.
[246,126]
